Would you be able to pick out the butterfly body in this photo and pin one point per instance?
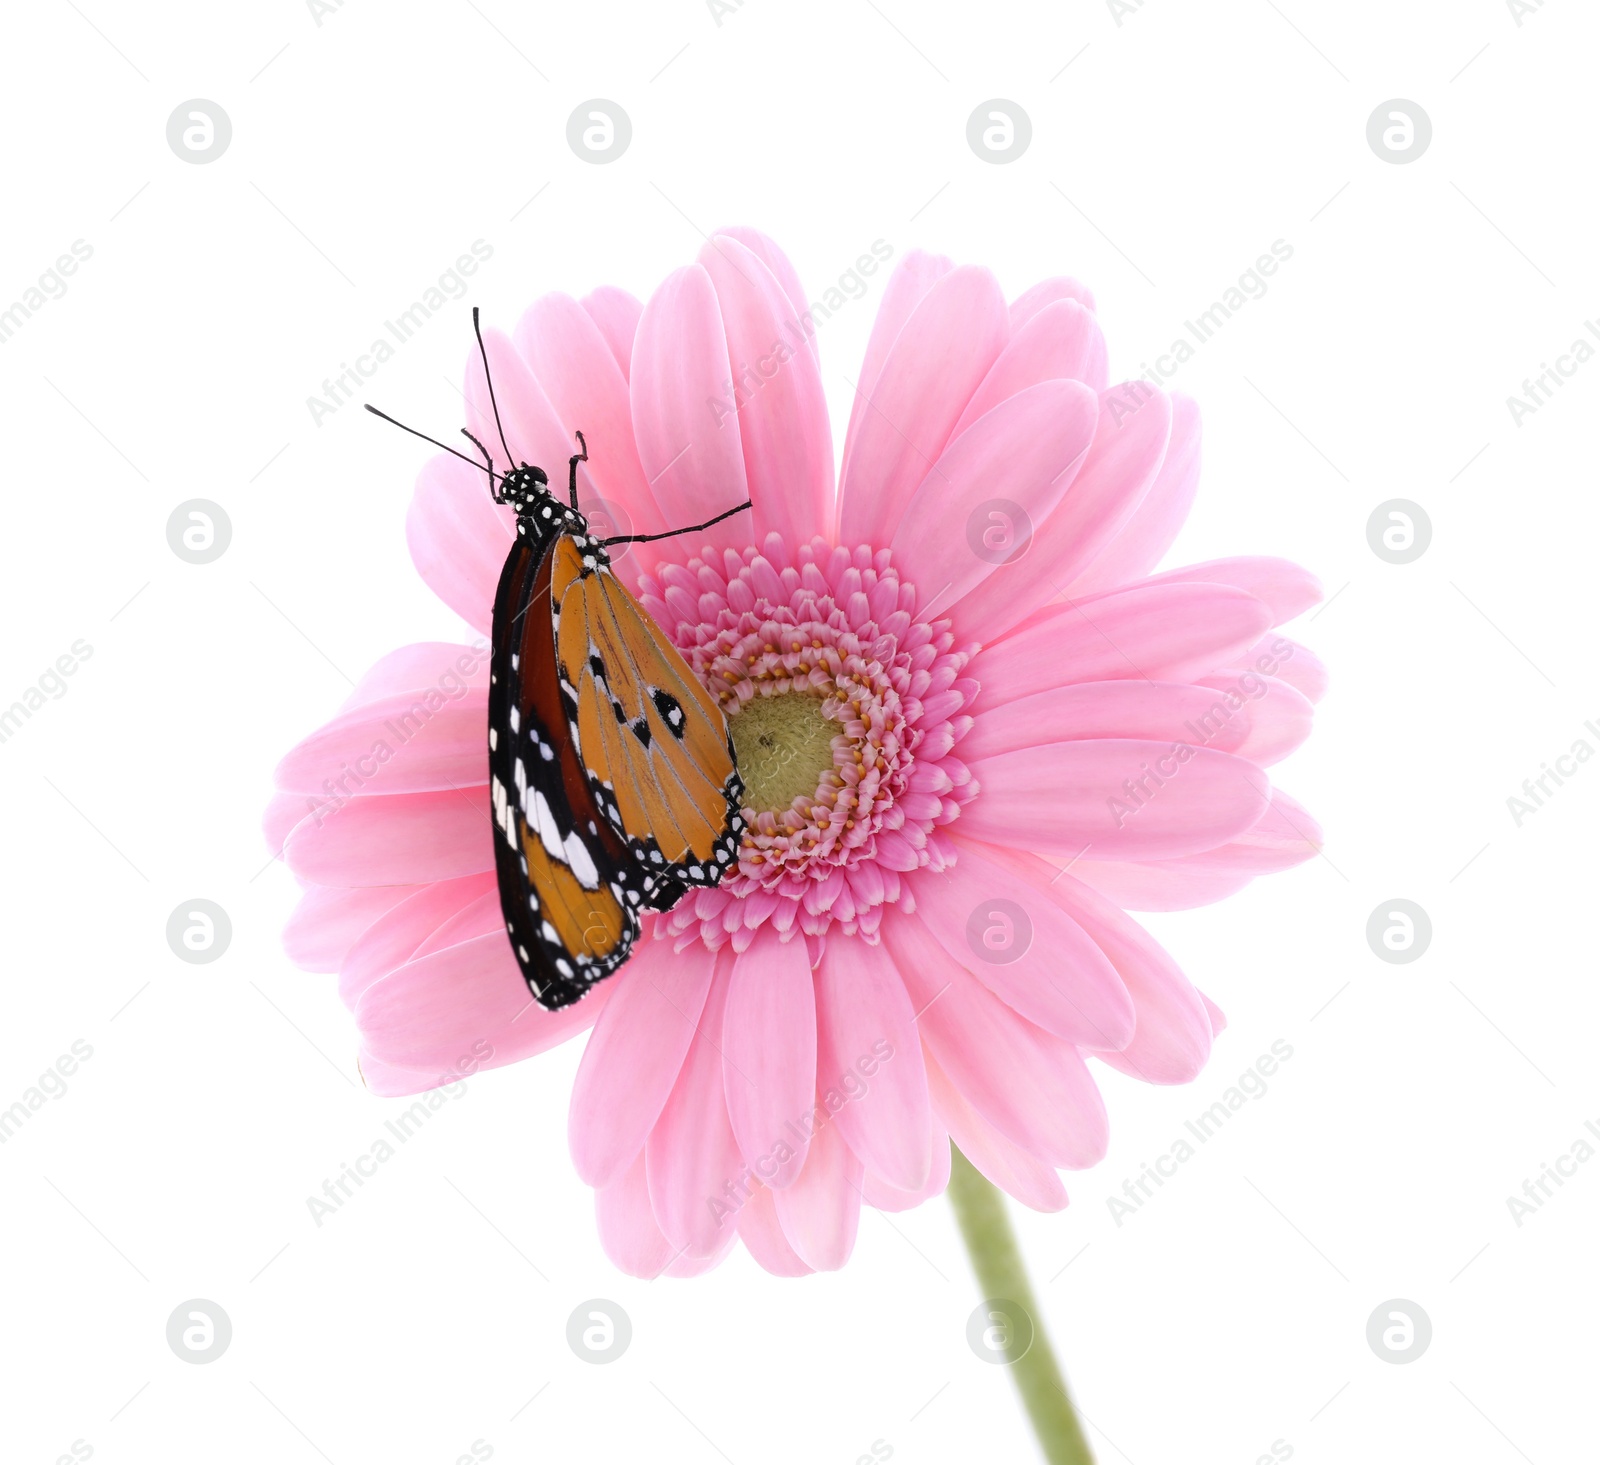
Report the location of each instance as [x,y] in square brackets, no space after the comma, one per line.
[612,779]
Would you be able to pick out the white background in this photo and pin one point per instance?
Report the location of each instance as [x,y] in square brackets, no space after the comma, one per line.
[367,153]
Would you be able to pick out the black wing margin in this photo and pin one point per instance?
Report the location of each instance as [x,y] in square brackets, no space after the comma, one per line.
[570,888]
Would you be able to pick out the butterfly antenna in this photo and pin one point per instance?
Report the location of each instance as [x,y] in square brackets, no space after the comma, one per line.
[572,468]
[424,436]
[672,533]
[477,330]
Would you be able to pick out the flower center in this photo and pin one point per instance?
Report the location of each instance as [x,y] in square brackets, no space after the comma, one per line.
[845,708]
[784,748]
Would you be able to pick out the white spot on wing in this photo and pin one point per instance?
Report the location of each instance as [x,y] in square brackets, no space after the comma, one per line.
[581,862]
[545,822]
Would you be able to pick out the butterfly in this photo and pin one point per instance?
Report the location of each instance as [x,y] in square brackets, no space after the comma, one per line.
[613,785]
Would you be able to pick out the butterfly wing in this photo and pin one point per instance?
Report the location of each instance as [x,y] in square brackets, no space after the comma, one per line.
[569,885]
[655,746]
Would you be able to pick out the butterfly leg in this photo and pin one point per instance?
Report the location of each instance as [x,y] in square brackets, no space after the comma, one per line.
[670,533]
[488,463]
[572,469]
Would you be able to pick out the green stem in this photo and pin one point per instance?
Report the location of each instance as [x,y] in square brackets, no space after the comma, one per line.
[992,1244]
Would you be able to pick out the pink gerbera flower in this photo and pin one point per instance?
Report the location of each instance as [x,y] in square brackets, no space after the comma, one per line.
[972,725]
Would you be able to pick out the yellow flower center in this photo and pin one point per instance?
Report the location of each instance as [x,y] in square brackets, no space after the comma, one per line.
[784,748]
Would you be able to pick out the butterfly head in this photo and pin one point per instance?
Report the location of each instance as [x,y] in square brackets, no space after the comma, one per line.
[540,515]
[524,488]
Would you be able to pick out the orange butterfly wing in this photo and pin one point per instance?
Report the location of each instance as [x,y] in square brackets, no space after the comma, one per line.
[655,745]
[569,886]
[612,776]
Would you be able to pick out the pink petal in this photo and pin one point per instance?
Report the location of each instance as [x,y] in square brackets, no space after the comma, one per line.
[869,1060]
[1177,885]
[627,1225]
[633,1059]
[1063,342]
[406,743]
[1292,663]
[589,393]
[616,314]
[1129,439]
[1286,835]
[427,666]
[783,422]
[1032,1087]
[1022,1176]
[1022,457]
[943,352]
[463,1008]
[1159,711]
[1281,585]
[878,1193]
[697,1183]
[393,1080]
[1115,799]
[1023,947]
[329,919]
[1279,717]
[769,1045]
[689,1265]
[459,537]
[1149,533]
[477,918]
[767,251]
[284,813]
[396,839]
[820,1211]
[762,1234]
[394,937]
[1046,293]
[912,278]
[534,430]
[1163,633]
[689,435]
[1172,1036]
